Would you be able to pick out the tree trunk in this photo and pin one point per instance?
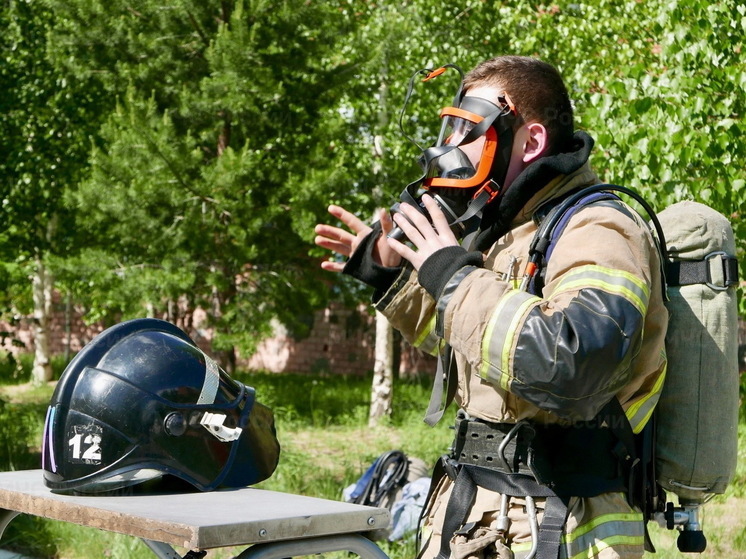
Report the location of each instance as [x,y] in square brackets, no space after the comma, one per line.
[382,391]
[68,325]
[42,293]
[226,356]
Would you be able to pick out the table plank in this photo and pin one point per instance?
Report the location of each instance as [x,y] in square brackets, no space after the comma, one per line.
[193,520]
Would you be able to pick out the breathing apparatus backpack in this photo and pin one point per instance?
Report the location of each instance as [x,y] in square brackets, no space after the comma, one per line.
[689,447]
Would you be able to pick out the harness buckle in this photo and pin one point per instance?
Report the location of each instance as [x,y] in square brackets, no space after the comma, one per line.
[512,434]
[488,189]
[451,467]
[726,274]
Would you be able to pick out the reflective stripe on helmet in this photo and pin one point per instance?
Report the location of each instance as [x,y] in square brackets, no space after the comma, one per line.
[47,444]
[212,381]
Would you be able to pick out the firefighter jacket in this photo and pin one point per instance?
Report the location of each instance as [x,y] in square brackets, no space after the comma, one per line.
[595,332]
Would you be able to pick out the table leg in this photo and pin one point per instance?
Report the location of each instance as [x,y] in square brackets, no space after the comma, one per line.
[165,551]
[161,550]
[5,517]
[354,543]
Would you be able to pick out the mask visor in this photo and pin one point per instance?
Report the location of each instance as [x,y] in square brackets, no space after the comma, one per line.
[459,160]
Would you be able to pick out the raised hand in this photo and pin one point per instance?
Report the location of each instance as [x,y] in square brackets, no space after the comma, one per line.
[345,241]
[426,237]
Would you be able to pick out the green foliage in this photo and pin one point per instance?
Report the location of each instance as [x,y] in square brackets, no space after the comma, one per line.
[739,541]
[321,401]
[661,90]
[17,369]
[46,118]
[202,168]
[201,141]
[15,297]
[18,430]
[658,84]
[738,488]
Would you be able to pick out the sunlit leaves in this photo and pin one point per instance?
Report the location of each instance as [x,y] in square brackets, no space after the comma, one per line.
[223,129]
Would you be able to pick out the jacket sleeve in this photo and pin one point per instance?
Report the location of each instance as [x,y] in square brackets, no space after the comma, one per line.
[570,350]
[411,310]
[362,266]
[397,294]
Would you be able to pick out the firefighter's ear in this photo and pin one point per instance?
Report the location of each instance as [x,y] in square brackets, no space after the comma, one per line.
[533,140]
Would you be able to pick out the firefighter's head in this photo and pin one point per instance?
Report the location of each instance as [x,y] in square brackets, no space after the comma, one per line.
[511,111]
[543,122]
[508,112]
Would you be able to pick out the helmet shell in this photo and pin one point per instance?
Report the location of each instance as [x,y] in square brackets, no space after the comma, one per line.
[142,400]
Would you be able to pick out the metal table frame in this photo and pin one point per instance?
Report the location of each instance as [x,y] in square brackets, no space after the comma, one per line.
[271,524]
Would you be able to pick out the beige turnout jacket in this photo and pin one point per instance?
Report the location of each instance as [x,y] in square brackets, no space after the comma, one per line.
[594,332]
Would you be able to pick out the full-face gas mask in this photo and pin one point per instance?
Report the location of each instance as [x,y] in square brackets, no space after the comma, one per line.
[465,169]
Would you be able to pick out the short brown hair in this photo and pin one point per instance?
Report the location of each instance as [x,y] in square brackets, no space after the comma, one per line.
[537,91]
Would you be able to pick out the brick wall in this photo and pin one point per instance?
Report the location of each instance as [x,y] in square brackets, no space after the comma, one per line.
[68,332]
[341,341]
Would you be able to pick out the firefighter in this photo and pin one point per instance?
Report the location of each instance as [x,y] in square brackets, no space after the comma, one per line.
[551,373]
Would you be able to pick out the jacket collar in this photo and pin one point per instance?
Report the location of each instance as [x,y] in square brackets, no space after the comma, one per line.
[541,181]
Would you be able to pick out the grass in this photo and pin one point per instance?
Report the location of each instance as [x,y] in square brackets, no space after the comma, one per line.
[326,445]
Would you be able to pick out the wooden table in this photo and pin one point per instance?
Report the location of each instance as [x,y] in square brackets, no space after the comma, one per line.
[273,525]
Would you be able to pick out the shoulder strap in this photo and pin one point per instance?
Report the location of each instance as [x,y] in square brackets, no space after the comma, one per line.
[555,221]
[558,215]
[634,452]
[690,272]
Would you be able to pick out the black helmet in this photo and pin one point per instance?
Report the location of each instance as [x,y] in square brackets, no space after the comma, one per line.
[142,400]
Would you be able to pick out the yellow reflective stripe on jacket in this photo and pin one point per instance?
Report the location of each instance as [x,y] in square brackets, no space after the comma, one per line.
[613,541]
[618,282]
[521,551]
[603,531]
[428,341]
[639,413]
[499,335]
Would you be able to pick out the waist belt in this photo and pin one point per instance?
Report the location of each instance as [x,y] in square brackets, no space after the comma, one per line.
[505,447]
[580,460]
[583,460]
